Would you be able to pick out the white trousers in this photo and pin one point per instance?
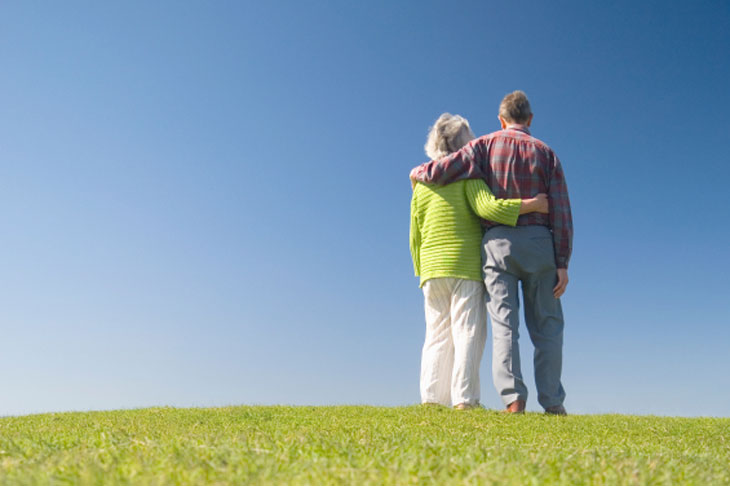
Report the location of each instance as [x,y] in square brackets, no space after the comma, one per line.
[456,331]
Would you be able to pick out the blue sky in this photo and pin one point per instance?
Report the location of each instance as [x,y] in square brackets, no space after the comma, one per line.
[206,203]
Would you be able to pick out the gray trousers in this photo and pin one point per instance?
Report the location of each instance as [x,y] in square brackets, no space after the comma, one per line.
[524,254]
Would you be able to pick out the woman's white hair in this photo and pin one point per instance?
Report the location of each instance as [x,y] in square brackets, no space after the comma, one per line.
[447,135]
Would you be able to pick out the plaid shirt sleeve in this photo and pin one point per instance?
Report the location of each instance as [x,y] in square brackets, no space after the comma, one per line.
[467,163]
[561,220]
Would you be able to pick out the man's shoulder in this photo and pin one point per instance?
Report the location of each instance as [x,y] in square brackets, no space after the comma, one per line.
[524,137]
[540,144]
[537,143]
[490,136]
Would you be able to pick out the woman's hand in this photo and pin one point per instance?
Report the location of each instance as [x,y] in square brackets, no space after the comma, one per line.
[542,203]
[537,204]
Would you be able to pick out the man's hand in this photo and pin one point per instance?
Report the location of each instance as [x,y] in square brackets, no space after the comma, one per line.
[562,282]
[537,204]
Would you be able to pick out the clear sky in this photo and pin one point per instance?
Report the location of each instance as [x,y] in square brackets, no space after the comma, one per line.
[207,203]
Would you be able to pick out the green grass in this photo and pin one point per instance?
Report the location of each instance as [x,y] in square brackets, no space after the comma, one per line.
[359,445]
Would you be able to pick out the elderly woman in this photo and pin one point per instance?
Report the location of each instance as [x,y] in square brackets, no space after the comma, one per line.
[445,241]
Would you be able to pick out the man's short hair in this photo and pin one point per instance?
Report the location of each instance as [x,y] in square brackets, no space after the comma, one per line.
[515,107]
[448,134]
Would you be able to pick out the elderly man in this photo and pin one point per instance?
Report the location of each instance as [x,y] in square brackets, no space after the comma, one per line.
[535,253]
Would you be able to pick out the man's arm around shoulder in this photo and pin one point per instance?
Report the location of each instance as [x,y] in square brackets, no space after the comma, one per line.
[466,163]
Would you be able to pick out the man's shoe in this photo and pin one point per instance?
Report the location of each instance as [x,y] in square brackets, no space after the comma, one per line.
[556,410]
[518,406]
[466,406]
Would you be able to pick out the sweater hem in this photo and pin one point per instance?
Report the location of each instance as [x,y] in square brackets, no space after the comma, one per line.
[424,279]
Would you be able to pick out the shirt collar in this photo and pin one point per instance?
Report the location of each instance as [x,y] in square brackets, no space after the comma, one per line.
[518,127]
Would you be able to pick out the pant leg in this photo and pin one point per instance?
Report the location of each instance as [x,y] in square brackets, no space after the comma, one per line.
[469,334]
[437,357]
[503,305]
[544,320]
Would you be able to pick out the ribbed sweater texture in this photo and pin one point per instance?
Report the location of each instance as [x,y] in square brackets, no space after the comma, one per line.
[445,234]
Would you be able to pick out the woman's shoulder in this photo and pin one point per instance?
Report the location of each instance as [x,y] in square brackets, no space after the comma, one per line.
[453,194]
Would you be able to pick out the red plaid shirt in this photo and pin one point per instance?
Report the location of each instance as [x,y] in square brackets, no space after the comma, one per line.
[514,165]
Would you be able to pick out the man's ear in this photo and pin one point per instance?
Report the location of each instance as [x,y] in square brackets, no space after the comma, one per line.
[529,120]
[502,122]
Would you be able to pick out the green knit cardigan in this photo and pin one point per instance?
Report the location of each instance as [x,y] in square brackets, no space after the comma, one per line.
[445,235]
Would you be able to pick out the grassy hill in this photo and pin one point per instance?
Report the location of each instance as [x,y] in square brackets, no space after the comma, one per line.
[359,445]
